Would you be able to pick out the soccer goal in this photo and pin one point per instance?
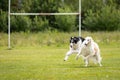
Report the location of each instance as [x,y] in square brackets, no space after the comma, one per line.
[43,14]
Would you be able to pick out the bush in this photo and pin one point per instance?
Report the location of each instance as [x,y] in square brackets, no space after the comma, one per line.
[20,23]
[65,23]
[39,24]
[108,18]
[3,21]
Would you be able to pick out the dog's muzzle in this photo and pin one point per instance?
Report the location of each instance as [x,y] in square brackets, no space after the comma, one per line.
[71,46]
[85,44]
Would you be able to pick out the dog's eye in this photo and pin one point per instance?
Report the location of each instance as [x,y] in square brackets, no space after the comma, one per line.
[88,40]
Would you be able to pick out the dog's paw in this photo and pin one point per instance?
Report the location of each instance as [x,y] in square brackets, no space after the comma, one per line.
[64,60]
[86,65]
[100,65]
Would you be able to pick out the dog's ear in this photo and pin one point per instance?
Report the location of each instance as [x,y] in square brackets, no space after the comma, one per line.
[91,39]
[71,37]
[78,38]
[82,38]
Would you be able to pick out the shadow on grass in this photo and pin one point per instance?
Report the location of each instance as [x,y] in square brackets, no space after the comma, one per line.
[66,65]
[82,66]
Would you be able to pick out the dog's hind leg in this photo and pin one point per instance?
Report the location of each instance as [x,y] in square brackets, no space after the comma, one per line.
[99,60]
[67,55]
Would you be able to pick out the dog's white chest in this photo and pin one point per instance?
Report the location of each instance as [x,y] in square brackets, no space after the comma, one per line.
[75,47]
[85,51]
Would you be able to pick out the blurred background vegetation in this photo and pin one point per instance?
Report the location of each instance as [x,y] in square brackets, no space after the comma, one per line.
[97,15]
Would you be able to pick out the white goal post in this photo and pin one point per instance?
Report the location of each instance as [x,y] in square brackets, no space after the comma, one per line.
[9,14]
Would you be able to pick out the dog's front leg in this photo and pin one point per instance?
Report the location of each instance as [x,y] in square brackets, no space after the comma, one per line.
[67,55]
[86,62]
[78,55]
[79,51]
[91,54]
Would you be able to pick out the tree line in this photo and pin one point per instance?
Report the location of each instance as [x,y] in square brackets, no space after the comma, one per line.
[97,15]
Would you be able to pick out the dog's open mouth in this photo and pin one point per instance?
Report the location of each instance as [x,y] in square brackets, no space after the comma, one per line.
[86,44]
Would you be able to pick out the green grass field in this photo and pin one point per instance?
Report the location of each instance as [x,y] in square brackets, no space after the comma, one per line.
[46,62]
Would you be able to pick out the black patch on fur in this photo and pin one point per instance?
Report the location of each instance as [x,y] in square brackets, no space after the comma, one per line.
[82,39]
[76,39]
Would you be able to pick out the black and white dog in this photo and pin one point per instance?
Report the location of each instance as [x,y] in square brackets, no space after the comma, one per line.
[75,44]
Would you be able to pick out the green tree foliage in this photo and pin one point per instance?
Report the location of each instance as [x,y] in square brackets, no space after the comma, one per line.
[101,15]
[96,15]
[45,6]
[108,18]
[3,21]
[39,24]
[65,23]
[73,4]
[4,5]
[20,23]
[93,5]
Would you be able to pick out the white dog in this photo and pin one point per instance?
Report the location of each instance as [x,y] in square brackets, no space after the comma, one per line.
[75,44]
[90,50]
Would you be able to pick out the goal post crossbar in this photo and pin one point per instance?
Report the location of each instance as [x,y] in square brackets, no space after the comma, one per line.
[45,14]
